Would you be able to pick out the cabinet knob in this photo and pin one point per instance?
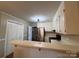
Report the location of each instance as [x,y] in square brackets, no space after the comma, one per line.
[65,30]
[63,10]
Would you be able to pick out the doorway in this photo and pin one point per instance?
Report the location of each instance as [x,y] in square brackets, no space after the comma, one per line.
[14,31]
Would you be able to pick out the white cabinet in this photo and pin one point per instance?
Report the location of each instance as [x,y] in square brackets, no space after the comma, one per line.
[66,19]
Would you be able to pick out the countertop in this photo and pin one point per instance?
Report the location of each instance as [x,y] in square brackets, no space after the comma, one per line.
[45,45]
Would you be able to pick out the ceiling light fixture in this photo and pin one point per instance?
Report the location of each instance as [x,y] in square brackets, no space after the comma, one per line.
[38,18]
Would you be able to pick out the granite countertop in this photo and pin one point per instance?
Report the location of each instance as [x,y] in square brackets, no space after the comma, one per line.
[45,45]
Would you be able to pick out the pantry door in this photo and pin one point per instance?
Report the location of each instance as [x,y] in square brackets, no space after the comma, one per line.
[14,31]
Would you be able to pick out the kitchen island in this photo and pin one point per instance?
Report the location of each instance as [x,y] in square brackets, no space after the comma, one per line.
[24,48]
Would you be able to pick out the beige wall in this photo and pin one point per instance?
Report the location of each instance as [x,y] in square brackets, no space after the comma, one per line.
[47,25]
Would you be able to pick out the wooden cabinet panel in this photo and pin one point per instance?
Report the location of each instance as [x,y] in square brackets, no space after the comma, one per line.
[67,18]
[71,17]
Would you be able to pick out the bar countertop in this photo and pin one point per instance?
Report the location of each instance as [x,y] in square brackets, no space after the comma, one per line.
[45,45]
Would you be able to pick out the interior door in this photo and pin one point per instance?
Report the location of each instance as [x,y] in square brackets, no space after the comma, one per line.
[30,33]
[14,31]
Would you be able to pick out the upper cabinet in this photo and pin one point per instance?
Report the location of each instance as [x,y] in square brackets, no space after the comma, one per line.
[66,19]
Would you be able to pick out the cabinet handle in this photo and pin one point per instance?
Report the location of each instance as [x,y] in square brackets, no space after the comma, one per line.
[63,10]
[39,49]
[65,30]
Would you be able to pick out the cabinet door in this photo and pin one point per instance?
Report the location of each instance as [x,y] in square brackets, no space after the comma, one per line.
[67,18]
[72,17]
[61,18]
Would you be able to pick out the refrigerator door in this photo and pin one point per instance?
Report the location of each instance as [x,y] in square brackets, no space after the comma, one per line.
[35,34]
[42,33]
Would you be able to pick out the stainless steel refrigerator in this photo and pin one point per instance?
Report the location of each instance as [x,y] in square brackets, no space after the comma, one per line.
[36,34]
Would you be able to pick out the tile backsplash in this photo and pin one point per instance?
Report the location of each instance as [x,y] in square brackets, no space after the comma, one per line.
[70,39]
[47,35]
[65,39]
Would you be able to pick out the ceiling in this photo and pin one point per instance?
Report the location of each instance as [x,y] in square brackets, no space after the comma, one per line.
[30,10]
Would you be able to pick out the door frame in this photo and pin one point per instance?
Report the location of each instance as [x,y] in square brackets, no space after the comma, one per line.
[12,21]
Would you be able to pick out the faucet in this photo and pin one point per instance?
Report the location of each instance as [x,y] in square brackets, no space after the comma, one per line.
[58,38]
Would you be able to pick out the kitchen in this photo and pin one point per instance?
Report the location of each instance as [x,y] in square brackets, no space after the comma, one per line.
[64,23]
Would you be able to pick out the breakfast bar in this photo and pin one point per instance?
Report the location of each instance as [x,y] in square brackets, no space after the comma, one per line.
[24,48]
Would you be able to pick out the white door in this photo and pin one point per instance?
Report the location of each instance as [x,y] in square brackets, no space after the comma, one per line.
[30,33]
[14,31]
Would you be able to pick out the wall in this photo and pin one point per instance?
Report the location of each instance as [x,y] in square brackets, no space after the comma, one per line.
[65,39]
[47,25]
[47,35]
[70,39]
[5,17]
[3,21]
[33,24]
[25,30]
